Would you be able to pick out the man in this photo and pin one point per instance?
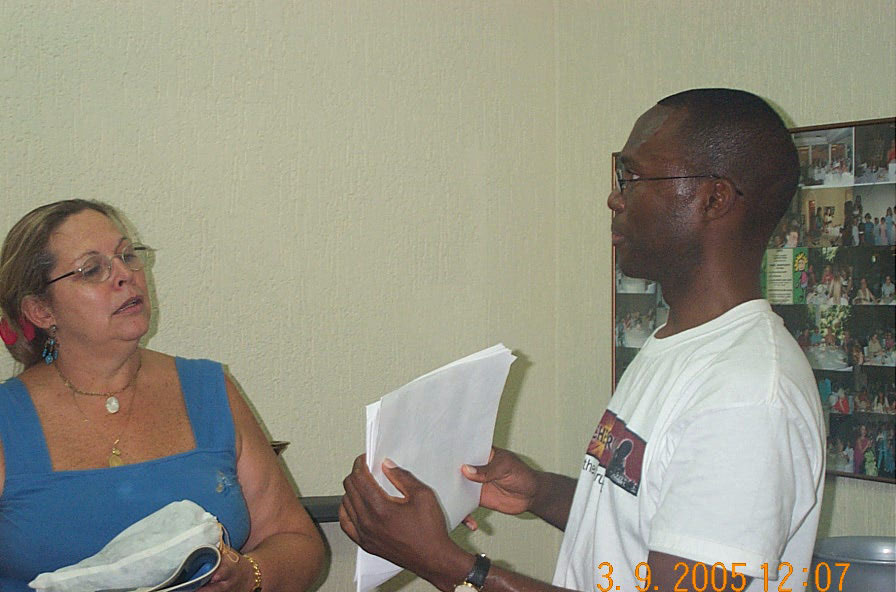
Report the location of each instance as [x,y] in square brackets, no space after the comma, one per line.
[868,232]
[709,460]
[793,239]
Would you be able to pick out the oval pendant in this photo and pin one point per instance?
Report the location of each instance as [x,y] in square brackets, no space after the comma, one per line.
[112,404]
[115,458]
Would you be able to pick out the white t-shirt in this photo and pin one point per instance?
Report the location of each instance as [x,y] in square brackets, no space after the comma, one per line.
[712,449]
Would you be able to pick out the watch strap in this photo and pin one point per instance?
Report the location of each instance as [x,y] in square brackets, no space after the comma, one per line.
[478,573]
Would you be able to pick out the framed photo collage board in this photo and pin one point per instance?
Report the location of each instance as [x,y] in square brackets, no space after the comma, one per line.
[830,272]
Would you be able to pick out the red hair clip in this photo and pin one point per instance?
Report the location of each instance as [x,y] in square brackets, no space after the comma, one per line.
[27,328]
[7,333]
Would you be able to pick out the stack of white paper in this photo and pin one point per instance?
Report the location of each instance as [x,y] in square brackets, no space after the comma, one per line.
[432,426]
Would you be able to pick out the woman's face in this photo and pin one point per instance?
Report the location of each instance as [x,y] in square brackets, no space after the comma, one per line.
[86,314]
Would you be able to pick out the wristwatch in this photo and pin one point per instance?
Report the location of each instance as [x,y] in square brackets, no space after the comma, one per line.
[476,578]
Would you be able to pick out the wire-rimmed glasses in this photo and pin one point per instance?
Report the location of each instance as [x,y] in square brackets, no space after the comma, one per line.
[98,267]
[622,182]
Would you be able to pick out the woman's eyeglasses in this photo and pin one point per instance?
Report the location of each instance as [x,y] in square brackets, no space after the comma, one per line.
[97,268]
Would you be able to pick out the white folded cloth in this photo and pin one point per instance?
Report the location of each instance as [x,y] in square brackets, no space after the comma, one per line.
[143,555]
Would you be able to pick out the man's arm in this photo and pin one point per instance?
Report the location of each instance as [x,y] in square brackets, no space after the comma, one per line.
[668,572]
[554,499]
[510,486]
[410,531]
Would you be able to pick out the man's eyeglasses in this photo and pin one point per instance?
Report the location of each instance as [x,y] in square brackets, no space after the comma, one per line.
[97,268]
[622,182]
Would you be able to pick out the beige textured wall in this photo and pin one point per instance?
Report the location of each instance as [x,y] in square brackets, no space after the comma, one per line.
[343,195]
[348,194]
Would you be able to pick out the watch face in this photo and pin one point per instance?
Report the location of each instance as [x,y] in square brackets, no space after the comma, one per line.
[465,587]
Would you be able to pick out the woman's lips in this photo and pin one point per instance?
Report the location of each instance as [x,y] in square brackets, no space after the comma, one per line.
[130,304]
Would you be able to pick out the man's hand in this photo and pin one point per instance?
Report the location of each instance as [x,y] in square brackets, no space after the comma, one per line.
[409,531]
[508,484]
[511,486]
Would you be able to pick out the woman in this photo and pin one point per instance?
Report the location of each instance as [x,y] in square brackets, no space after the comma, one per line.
[887,290]
[875,348]
[886,463]
[846,278]
[817,225]
[837,457]
[862,402]
[858,356]
[835,291]
[879,404]
[864,294]
[891,227]
[861,445]
[827,276]
[97,432]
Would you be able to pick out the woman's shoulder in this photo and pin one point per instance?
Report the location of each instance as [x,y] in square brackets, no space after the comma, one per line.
[151,356]
[161,357]
[157,365]
[174,372]
[195,374]
[154,360]
[35,378]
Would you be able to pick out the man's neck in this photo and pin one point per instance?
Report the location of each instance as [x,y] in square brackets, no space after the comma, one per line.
[707,296]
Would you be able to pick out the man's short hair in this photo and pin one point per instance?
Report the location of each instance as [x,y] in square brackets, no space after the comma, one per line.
[737,135]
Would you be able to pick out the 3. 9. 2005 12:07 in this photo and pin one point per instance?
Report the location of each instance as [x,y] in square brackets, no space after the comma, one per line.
[703,578]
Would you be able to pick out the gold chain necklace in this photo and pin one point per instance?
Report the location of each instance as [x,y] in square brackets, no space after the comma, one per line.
[115,454]
[112,402]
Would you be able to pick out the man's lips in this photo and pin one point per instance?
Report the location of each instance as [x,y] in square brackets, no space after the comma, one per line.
[617,236]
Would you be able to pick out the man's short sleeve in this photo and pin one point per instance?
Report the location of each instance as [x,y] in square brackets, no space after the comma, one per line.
[737,482]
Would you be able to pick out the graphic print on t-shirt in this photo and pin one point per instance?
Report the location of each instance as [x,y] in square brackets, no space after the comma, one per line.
[619,450]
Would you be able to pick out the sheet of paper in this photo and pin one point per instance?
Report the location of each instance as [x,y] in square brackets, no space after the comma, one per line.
[431,426]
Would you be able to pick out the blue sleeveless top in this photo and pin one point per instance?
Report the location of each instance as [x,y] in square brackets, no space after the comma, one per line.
[50,519]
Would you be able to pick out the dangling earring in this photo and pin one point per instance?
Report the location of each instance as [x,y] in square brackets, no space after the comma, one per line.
[51,346]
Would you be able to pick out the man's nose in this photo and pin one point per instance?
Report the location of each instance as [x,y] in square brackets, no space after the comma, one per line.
[615,201]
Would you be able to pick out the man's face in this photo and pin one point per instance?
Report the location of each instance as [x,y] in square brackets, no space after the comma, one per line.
[653,220]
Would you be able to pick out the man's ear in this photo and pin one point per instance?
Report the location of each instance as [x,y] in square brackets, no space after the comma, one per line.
[720,200]
[38,312]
